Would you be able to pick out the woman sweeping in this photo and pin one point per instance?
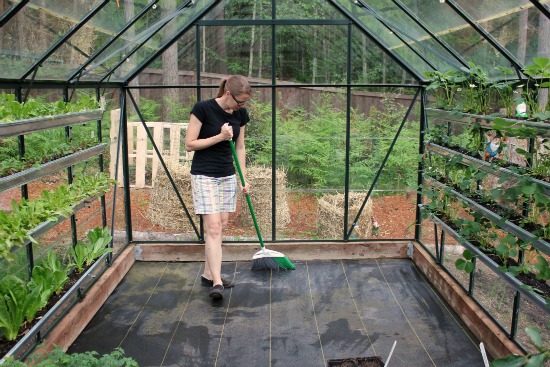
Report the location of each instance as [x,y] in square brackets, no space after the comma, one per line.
[212,124]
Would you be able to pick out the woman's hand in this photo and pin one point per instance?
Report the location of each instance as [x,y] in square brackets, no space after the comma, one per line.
[226,132]
[246,188]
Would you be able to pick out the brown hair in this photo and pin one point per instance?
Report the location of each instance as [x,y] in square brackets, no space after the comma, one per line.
[236,85]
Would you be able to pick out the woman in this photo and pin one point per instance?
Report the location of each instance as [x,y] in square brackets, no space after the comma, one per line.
[212,124]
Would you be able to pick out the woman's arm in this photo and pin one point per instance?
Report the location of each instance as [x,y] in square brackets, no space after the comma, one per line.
[241,154]
[192,141]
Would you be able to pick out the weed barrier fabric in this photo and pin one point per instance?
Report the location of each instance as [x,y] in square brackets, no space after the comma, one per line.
[322,311]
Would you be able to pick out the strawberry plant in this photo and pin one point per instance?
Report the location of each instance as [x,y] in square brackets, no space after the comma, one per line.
[58,358]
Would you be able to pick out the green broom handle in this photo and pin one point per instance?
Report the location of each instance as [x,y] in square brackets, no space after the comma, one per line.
[247,196]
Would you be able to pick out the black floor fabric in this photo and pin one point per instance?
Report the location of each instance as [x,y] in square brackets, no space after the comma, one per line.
[324,310]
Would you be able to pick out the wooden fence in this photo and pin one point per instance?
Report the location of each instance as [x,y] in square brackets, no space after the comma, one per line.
[142,158]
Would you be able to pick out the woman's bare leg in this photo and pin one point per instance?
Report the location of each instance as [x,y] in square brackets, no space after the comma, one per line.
[214,225]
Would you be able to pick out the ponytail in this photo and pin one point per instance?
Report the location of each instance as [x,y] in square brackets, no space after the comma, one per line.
[221,91]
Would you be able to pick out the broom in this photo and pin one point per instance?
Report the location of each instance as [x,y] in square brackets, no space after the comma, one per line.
[263,259]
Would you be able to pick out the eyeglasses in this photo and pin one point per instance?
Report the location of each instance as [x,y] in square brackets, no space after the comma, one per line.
[240,103]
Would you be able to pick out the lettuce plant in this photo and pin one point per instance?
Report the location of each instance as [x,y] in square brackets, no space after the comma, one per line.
[17,303]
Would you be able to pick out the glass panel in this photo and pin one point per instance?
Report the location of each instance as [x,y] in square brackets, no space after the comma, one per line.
[80,48]
[242,50]
[530,315]
[376,118]
[494,294]
[312,54]
[183,19]
[6,6]
[417,37]
[522,33]
[317,9]
[34,29]
[142,40]
[452,251]
[239,9]
[458,34]
[311,125]
[371,64]
[369,22]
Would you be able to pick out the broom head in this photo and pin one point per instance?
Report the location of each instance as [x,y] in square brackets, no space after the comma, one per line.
[269,259]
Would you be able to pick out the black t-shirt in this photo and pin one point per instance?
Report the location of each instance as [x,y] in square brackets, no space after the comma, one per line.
[216,160]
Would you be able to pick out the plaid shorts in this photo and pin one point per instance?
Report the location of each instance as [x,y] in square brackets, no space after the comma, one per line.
[214,194]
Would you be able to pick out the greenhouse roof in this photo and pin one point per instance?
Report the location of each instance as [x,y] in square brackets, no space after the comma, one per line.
[94,42]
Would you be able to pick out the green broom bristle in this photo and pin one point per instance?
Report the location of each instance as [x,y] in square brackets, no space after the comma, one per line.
[273,263]
[285,263]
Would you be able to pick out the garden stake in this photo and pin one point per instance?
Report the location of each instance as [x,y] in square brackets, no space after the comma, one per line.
[263,259]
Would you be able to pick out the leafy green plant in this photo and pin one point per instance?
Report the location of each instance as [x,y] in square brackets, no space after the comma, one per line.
[51,274]
[445,87]
[530,359]
[149,109]
[539,70]
[476,89]
[12,110]
[85,254]
[27,214]
[42,147]
[17,303]
[58,358]
[505,90]
[466,263]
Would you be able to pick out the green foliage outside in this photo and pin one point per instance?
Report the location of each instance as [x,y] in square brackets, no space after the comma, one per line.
[311,146]
[58,358]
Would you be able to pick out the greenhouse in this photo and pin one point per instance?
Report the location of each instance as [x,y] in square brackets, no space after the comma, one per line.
[393,199]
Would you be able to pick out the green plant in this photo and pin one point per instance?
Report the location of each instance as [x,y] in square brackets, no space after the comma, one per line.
[58,358]
[476,89]
[17,303]
[51,274]
[12,110]
[529,360]
[505,91]
[149,109]
[176,111]
[27,214]
[537,73]
[445,87]
[467,263]
[85,254]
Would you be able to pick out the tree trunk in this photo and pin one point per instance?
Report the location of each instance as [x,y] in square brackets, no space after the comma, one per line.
[522,35]
[252,41]
[169,63]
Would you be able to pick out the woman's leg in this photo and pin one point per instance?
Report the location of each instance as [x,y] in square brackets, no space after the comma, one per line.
[214,225]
